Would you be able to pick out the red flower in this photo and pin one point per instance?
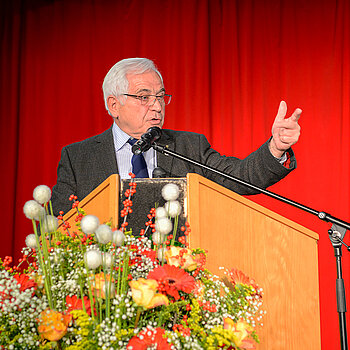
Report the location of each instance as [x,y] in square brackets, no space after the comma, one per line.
[238,277]
[148,338]
[24,281]
[172,279]
[74,303]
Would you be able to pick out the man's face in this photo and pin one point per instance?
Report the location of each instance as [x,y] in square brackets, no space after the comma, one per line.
[133,117]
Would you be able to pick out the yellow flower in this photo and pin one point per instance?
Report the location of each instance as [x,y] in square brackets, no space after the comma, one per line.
[144,293]
[181,257]
[53,325]
[241,331]
[101,285]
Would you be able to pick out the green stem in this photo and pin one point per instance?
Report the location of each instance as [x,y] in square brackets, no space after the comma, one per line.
[139,311]
[42,265]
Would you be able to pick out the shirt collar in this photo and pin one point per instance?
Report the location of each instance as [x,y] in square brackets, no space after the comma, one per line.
[120,137]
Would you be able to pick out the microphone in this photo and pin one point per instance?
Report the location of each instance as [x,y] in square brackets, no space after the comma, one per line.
[159,173]
[152,135]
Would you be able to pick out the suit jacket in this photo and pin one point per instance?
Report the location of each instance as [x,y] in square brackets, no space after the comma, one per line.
[86,164]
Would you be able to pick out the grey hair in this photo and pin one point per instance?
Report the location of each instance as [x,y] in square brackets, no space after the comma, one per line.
[116,83]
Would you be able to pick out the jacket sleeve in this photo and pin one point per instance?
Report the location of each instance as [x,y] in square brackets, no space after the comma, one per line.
[260,168]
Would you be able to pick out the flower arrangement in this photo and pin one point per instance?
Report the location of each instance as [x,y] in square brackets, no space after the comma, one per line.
[104,288]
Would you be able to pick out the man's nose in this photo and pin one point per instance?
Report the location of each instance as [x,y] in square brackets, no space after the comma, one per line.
[156,106]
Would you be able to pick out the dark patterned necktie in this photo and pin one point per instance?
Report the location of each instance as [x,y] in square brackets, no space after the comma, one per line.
[139,166]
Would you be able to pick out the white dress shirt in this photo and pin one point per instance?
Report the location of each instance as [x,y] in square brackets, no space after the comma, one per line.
[124,154]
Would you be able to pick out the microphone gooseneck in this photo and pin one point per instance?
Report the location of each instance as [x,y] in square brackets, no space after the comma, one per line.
[152,135]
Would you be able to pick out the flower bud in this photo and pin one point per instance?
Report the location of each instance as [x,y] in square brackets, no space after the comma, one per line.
[161,213]
[33,210]
[103,234]
[42,194]
[173,208]
[163,226]
[170,192]
[107,259]
[118,238]
[93,259]
[158,238]
[50,223]
[161,254]
[89,223]
[31,241]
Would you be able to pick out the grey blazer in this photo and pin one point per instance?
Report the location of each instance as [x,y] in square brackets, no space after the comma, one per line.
[86,164]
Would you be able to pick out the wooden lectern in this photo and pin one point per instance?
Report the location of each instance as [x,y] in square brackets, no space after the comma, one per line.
[279,254]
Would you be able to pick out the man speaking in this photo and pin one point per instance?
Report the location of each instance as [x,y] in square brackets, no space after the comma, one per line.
[135,97]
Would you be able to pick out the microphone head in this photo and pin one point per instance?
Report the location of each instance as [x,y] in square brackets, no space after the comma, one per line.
[153,134]
[159,173]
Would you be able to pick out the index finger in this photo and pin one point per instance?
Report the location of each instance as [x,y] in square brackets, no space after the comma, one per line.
[296,115]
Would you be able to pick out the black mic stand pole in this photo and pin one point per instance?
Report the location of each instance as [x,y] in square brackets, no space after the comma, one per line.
[336,233]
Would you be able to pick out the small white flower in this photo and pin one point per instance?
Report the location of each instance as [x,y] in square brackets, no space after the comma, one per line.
[42,194]
[118,238]
[173,208]
[163,226]
[170,192]
[158,238]
[89,223]
[31,241]
[33,210]
[93,259]
[161,254]
[161,212]
[50,223]
[104,234]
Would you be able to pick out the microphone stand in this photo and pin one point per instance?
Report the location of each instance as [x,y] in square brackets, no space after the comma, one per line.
[336,233]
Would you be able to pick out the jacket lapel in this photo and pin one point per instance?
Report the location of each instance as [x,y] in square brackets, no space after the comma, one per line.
[163,161]
[105,153]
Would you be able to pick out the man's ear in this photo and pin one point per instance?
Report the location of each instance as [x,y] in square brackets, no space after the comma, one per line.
[113,105]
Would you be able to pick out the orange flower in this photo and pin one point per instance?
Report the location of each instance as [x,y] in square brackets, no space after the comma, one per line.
[241,331]
[173,279]
[150,339]
[74,303]
[53,325]
[24,281]
[181,257]
[238,277]
[101,284]
[144,293]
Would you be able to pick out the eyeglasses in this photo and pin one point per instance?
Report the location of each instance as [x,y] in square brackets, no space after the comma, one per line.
[150,100]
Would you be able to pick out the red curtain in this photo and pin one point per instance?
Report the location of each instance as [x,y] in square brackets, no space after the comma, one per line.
[227,63]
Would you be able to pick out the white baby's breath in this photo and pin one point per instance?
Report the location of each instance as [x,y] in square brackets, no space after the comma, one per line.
[93,259]
[163,226]
[31,241]
[170,192]
[118,238]
[173,208]
[104,234]
[42,194]
[33,210]
[89,224]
